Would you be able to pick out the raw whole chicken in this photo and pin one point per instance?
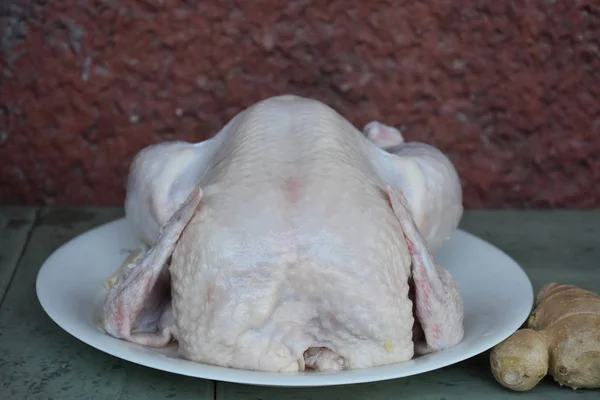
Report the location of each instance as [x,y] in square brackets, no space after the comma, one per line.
[290,241]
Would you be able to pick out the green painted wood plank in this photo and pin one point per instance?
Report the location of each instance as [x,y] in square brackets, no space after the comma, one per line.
[15,226]
[559,246]
[465,381]
[38,360]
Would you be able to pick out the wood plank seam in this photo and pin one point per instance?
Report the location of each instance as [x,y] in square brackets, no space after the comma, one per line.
[30,230]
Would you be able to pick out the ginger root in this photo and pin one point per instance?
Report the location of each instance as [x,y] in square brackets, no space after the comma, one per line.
[562,339]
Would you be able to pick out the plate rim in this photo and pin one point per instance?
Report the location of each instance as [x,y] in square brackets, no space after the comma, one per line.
[291,380]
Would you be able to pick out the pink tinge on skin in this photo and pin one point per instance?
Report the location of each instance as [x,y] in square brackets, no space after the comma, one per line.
[292,188]
[433,299]
[137,306]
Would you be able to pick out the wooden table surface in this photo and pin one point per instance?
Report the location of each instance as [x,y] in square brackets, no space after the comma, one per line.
[38,360]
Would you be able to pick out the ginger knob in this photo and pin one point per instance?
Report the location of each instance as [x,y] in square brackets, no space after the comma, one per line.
[562,340]
[520,361]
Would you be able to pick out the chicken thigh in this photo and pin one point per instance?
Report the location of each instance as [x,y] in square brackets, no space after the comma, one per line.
[290,241]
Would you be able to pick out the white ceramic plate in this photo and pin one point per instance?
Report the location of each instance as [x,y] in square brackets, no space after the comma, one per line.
[498,297]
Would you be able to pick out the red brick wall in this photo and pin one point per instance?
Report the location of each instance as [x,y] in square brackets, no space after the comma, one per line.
[510,90]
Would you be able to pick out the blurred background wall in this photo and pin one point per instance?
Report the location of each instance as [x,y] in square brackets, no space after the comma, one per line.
[510,90]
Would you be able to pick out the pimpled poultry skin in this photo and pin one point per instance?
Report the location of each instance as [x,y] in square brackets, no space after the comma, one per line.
[288,242]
